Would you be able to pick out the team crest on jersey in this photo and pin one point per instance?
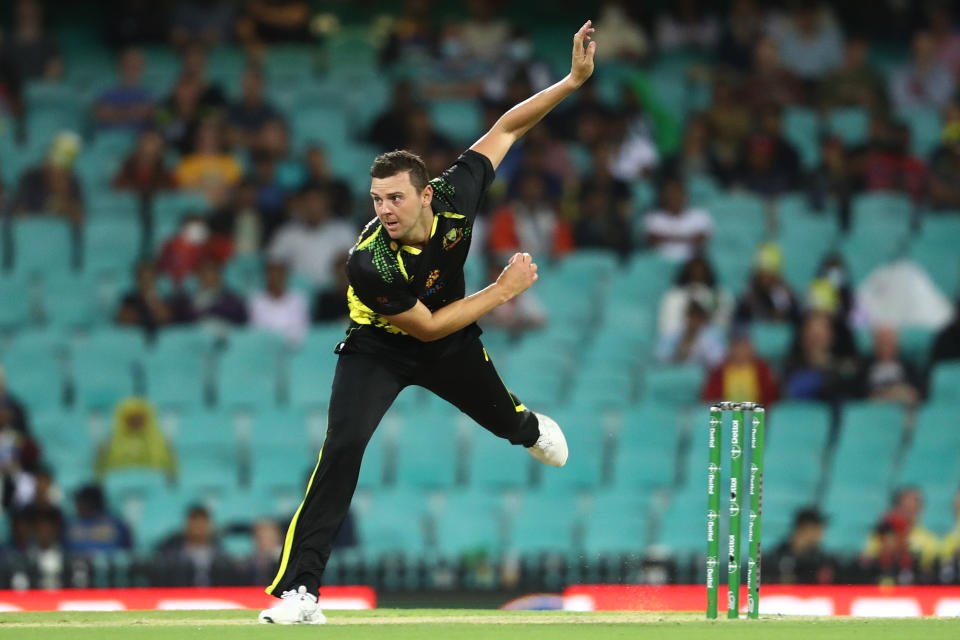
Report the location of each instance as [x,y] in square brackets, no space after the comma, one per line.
[432,277]
[452,238]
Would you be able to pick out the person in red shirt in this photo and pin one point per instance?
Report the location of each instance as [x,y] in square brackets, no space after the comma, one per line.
[193,245]
[530,222]
[743,377]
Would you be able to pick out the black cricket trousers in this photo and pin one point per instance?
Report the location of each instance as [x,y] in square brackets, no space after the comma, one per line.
[365,384]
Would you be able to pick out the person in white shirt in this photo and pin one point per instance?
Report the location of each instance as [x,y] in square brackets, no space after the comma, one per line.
[278,308]
[313,240]
[675,230]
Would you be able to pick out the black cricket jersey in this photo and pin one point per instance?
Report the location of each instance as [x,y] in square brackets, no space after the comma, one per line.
[387,278]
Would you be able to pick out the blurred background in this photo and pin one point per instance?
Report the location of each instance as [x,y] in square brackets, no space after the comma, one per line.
[753,201]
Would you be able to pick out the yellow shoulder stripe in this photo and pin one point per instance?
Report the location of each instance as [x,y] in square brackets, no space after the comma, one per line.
[371,238]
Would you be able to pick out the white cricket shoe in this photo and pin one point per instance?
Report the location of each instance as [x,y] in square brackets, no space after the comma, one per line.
[295,607]
[551,447]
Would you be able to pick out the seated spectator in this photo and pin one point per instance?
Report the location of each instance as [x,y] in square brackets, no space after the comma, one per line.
[743,377]
[145,306]
[273,141]
[944,186]
[212,98]
[11,93]
[699,342]
[53,187]
[178,117]
[696,156]
[193,244]
[211,299]
[824,297]
[267,21]
[330,304]
[812,372]
[41,493]
[517,59]
[239,219]
[624,37]
[136,441]
[687,25]
[600,177]
[730,122]
[771,165]
[209,168]
[246,116]
[885,375]
[19,455]
[696,280]
[421,137]
[602,225]
[267,548]
[127,106]
[800,559]
[145,171]
[278,308]
[414,35]
[900,540]
[196,549]
[854,83]
[8,400]
[950,552]
[529,222]
[388,130]
[769,82]
[94,529]
[634,154]
[833,181]
[676,230]
[46,553]
[318,174]
[890,166]
[946,346]
[518,315]
[202,23]
[34,53]
[743,26]
[768,297]
[271,196]
[924,82]
[313,240]
[901,293]
[584,120]
[810,41]
[945,36]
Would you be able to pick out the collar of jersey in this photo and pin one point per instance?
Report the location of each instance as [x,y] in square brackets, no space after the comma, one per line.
[414,250]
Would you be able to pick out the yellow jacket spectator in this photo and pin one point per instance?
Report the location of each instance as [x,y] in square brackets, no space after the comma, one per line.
[209,168]
[136,441]
[912,537]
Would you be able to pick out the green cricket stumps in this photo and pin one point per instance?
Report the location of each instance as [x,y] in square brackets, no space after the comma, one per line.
[714,440]
[756,512]
[736,473]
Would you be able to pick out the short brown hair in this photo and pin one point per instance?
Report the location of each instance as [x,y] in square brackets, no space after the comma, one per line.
[394,162]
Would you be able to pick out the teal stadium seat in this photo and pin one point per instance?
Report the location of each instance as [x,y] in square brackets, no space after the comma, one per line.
[926,130]
[870,436]
[850,123]
[801,128]
[495,463]
[674,385]
[544,523]
[935,249]
[771,340]
[618,524]
[111,245]
[34,370]
[176,369]
[933,460]
[42,245]
[852,510]
[70,302]
[392,523]
[683,526]
[648,444]
[103,367]
[459,120]
[945,382]
[247,370]
[427,453]
[15,310]
[470,522]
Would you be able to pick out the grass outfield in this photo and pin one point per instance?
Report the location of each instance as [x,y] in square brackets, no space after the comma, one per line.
[386,624]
